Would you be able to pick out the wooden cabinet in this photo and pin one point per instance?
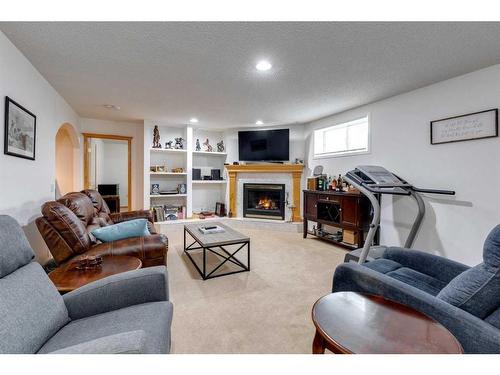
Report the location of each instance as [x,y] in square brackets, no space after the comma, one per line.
[310,206]
[350,210]
[346,211]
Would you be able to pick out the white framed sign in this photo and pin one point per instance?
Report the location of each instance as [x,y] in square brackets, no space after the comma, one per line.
[475,125]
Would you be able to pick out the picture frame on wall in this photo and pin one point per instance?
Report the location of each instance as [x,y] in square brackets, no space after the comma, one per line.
[477,125]
[20,131]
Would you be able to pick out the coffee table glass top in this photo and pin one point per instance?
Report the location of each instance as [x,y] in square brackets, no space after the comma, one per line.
[227,237]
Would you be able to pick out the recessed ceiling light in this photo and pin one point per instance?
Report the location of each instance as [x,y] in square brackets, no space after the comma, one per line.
[258,122]
[193,120]
[263,65]
[111,106]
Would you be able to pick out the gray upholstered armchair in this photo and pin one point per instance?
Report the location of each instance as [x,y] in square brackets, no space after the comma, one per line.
[124,313]
[465,300]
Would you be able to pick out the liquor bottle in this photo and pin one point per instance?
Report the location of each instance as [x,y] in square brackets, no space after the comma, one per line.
[320,183]
[339,183]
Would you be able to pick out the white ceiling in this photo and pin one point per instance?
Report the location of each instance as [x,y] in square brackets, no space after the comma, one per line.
[173,71]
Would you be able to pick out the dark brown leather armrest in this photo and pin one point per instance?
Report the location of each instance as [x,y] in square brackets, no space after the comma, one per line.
[151,250]
[131,215]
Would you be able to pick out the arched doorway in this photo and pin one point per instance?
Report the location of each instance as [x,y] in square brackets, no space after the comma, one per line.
[67,147]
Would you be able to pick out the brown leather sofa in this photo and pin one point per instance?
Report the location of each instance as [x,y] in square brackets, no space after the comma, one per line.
[67,223]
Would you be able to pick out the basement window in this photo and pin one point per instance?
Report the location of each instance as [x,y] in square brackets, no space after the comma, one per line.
[348,138]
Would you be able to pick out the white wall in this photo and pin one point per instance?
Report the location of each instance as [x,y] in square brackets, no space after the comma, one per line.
[129,129]
[25,184]
[453,227]
[115,167]
[109,165]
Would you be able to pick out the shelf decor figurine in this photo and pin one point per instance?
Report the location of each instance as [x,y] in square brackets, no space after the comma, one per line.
[155,188]
[220,146]
[156,137]
[208,146]
[179,143]
[168,145]
[198,147]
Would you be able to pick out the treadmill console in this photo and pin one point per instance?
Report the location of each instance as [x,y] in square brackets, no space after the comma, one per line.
[373,174]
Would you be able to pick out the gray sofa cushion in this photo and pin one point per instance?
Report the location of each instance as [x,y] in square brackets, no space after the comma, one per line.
[133,342]
[407,275]
[15,250]
[491,248]
[494,318]
[31,310]
[383,265]
[418,280]
[477,290]
[153,318]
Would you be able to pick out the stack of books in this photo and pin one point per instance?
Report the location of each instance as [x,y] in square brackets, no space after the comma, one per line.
[210,229]
[168,212]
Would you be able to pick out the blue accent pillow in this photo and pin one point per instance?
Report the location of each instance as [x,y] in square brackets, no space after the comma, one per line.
[121,231]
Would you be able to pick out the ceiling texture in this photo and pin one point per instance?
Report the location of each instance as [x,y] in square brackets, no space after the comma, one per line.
[170,72]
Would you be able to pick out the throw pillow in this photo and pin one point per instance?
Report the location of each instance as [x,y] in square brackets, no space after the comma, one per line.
[123,230]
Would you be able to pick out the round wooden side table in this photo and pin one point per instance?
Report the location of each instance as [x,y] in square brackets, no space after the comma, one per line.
[348,323]
[68,278]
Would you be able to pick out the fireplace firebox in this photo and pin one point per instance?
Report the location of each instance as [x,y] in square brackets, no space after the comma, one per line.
[264,201]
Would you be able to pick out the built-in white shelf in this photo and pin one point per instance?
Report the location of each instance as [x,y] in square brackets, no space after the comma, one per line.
[207,153]
[167,174]
[209,181]
[171,150]
[200,194]
[166,195]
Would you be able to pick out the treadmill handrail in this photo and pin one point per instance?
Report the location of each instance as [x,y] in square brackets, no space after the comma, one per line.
[388,184]
[433,191]
[381,191]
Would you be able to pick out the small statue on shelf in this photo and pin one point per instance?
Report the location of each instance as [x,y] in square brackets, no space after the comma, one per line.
[198,147]
[179,143]
[220,146]
[156,137]
[168,145]
[208,146]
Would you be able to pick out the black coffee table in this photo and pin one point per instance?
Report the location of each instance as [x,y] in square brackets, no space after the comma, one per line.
[225,245]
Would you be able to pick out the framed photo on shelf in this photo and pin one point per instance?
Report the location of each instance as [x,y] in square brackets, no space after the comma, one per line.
[20,131]
[477,125]
[220,209]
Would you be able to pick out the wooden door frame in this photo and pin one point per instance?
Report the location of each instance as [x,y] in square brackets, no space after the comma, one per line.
[86,180]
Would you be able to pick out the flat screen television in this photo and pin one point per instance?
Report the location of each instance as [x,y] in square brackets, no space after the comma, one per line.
[264,145]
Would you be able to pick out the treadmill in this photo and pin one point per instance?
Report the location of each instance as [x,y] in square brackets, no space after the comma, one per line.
[373,180]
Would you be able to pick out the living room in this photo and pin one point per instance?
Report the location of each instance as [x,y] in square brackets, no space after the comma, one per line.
[262,187]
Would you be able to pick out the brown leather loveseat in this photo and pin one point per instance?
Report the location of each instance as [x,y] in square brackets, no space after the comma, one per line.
[67,223]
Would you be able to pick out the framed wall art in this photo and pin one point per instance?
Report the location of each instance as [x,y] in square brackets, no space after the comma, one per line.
[477,125]
[20,130]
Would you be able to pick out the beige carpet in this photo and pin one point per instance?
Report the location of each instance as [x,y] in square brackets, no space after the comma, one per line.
[266,310]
